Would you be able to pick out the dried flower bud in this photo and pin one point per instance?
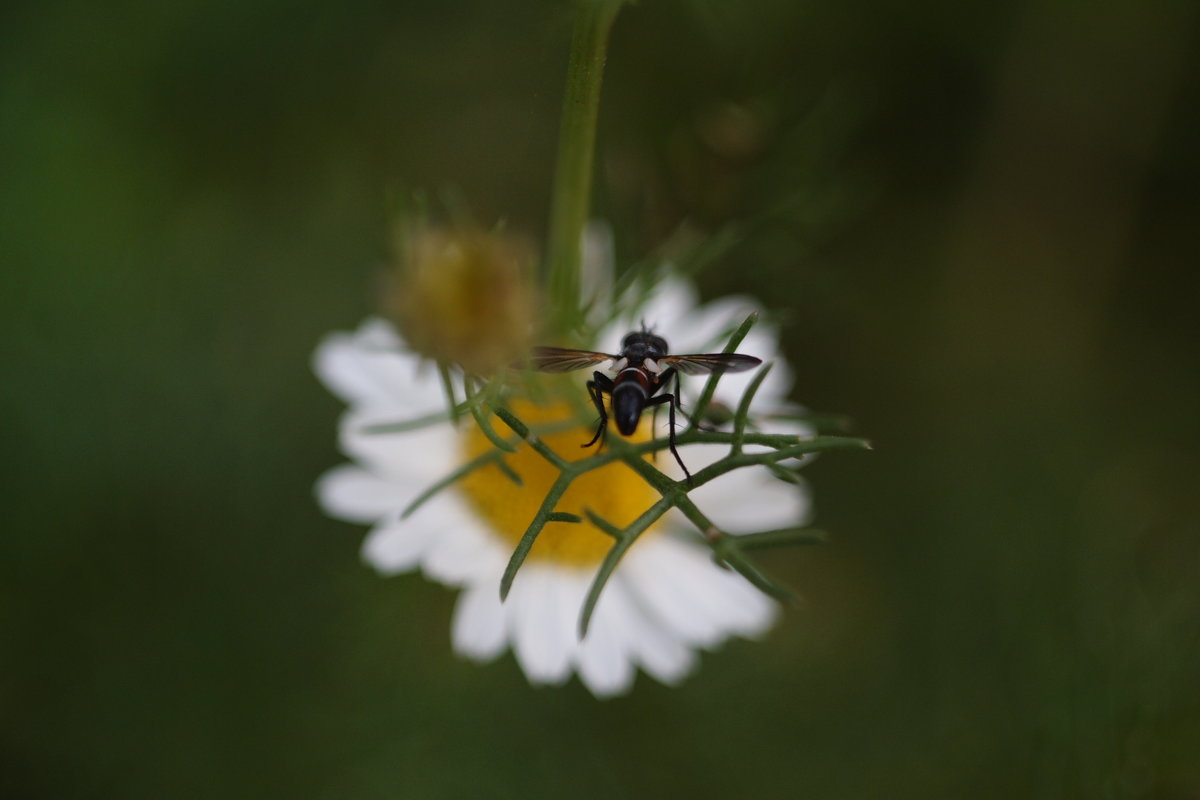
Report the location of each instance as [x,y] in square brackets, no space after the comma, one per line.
[463,296]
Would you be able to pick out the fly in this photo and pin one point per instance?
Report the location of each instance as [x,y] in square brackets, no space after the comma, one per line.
[644,368]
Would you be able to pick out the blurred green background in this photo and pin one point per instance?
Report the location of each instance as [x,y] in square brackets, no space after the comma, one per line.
[978,221]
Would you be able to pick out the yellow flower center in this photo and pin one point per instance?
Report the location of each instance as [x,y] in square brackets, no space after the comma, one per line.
[614,491]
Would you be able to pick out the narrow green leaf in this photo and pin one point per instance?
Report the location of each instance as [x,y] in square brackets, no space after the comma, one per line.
[653,475]
[486,428]
[557,489]
[539,447]
[778,538]
[416,422]
[746,568]
[711,385]
[510,419]
[612,558]
[463,470]
[509,472]
[784,474]
[697,517]
[799,448]
[563,516]
[448,388]
[823,422]
[817,444]
[603,524]
[743,409]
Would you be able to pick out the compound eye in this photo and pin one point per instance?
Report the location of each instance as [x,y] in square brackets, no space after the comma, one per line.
[659,344]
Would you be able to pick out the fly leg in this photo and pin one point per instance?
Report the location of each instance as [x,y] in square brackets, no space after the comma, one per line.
[672,402]
[663,380]
[671,373]
[597,387]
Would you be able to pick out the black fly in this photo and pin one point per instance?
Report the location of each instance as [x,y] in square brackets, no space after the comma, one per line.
[643,369]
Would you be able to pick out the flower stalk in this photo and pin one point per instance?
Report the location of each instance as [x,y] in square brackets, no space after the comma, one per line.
[570,200]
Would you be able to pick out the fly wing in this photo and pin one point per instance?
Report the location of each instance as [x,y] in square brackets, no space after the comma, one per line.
[563,359]
[704,363]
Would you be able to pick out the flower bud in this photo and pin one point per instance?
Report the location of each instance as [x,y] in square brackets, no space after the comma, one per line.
[463,296]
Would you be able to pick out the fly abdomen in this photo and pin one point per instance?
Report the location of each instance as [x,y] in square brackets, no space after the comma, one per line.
[628,400]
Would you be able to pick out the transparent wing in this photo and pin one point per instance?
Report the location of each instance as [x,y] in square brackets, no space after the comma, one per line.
[563,359]
[704,363]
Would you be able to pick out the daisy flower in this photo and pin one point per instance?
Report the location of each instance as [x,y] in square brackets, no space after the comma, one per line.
[667,599]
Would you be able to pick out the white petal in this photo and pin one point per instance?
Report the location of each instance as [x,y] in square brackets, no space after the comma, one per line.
[721,594]
[371,367]
[672,300]
[696,456]
[376,333]
[702,602]
[395,545]
[775,387]
[658,650]
[708,326]
[441,531]
[352,493]
[478,629]
[461,549]
[655,591]
[604,663]
[752,499]
[671,305]
[732,600]
[415,457]
[538,614]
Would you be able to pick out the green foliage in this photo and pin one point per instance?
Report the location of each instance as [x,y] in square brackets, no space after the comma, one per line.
[727,549]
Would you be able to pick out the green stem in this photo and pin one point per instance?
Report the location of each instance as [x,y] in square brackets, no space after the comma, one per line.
[576,151]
